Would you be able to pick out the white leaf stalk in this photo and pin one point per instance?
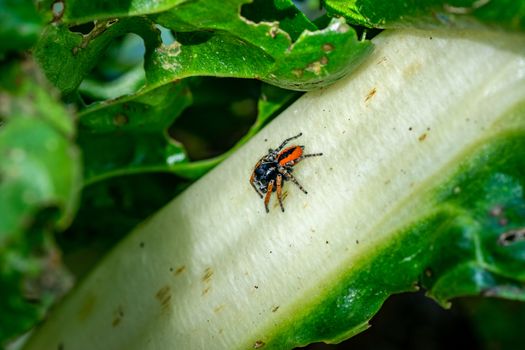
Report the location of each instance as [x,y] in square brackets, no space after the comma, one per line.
[213,270]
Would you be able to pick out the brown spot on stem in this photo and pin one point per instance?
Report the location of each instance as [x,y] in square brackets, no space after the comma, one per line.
[412,70]
[422,137]
[382,60]
[258,344]
[87,307]
[219,308]
[180,270]
[370,94]
[163,295]
[118,314]
[206,277]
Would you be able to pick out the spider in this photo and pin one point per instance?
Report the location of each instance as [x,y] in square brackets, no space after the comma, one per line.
[275,167]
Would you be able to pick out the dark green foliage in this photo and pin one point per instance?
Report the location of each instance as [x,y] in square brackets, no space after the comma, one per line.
[507,14]
[20,25]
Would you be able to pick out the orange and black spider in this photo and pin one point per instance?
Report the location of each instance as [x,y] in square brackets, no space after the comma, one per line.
[270,171]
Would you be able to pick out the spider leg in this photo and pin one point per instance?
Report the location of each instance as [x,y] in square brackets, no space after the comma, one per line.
[288,140]
[252,179]
[291,177]
[297,160]
[268,194]
[279,191]
[312,155]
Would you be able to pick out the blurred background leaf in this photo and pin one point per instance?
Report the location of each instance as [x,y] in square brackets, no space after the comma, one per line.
[40,181]
[20,25]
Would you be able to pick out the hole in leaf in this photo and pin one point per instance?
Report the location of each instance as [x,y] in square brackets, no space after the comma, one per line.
[512,236]
[366,33]
[84,28]
[288,17]
[311,8]
[194,38]
[267,11]
[57,8]
[166,35]
[362,32]
[119,71]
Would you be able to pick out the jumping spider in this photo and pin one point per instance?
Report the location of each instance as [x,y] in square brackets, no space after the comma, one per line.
[270,171]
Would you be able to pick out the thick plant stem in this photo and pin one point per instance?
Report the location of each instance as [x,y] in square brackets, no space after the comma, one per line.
[213,270]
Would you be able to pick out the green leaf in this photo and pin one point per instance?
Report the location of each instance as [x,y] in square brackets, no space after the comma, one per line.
[213,39]
[67,57]
[39,188]
[506,14]
[228,44]
[420,184]
[130,134]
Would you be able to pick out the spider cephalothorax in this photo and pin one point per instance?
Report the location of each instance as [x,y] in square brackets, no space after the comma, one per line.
[275,167]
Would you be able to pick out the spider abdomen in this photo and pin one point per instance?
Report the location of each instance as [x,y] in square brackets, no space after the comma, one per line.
[290,154]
